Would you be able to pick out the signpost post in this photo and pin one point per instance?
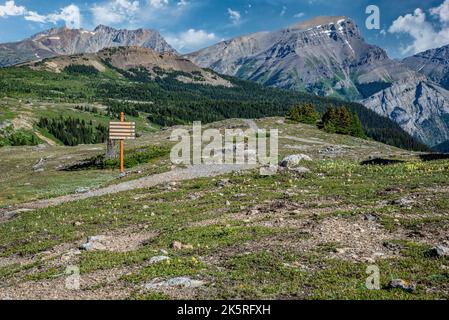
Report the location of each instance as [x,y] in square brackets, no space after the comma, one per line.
[122,131]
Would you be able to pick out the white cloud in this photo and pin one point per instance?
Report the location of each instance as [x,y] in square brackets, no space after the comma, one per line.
[442,11]
[425,35]
[118,11]
[182,3]
[70,14]
[284,11]
[235,16]
[299,15]
[10,9]
[158,3]
[191,39]
[35,17]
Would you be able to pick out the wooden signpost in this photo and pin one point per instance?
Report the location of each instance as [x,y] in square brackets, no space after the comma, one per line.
[122,131]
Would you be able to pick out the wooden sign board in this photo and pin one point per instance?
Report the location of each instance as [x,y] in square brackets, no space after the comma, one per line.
[122,130]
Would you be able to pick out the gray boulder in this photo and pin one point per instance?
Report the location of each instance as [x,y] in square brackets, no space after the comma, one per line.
[185,282]
[294,160]
[158,259]
[440,251]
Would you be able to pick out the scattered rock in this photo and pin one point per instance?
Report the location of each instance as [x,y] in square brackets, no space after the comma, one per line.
[331,150]
[299,170]
[370,217]
[175,282]
[163,251]
[77,223]
[94,243]
[404,203]
[294,160]
[222,183]
[439,251]
[158,259]
[228,203]
[39,165]
[393,246]
[180,246]
[82,190]
[402,284]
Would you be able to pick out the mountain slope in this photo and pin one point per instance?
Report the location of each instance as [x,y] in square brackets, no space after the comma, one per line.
[169,90]
[133,62]
[326,55]
[64,41]
[418,106]
[433,63]
[329,57]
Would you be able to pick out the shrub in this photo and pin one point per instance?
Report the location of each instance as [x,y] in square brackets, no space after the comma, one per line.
[9,137]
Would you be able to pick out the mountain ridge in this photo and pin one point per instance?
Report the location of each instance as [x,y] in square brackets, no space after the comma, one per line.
[66,41]
[433,63]
[328,56]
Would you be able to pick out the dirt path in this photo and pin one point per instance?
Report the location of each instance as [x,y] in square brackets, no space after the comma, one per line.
[193,172]
[45,139]
[251,124]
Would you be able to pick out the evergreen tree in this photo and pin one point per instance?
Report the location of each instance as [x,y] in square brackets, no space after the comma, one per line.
[329,121]
[357,128]
[342,121]
[304,113]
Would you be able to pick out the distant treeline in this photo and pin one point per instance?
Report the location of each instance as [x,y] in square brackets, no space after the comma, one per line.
[72,131]
[81,69]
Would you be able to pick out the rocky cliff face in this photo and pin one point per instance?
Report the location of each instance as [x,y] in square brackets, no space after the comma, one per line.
[419,106]
[432,63]
[64,41]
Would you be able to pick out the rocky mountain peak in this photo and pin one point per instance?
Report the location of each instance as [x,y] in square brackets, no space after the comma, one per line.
[102,27]
[65,41]
[319,21]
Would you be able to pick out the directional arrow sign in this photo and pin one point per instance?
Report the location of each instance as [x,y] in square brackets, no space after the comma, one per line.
[122,130]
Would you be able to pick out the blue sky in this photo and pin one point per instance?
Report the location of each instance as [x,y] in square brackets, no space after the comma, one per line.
[407,26]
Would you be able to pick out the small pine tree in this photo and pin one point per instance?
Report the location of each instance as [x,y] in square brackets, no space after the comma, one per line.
[304,114]
[329,121]
[357,128]
[344,121]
